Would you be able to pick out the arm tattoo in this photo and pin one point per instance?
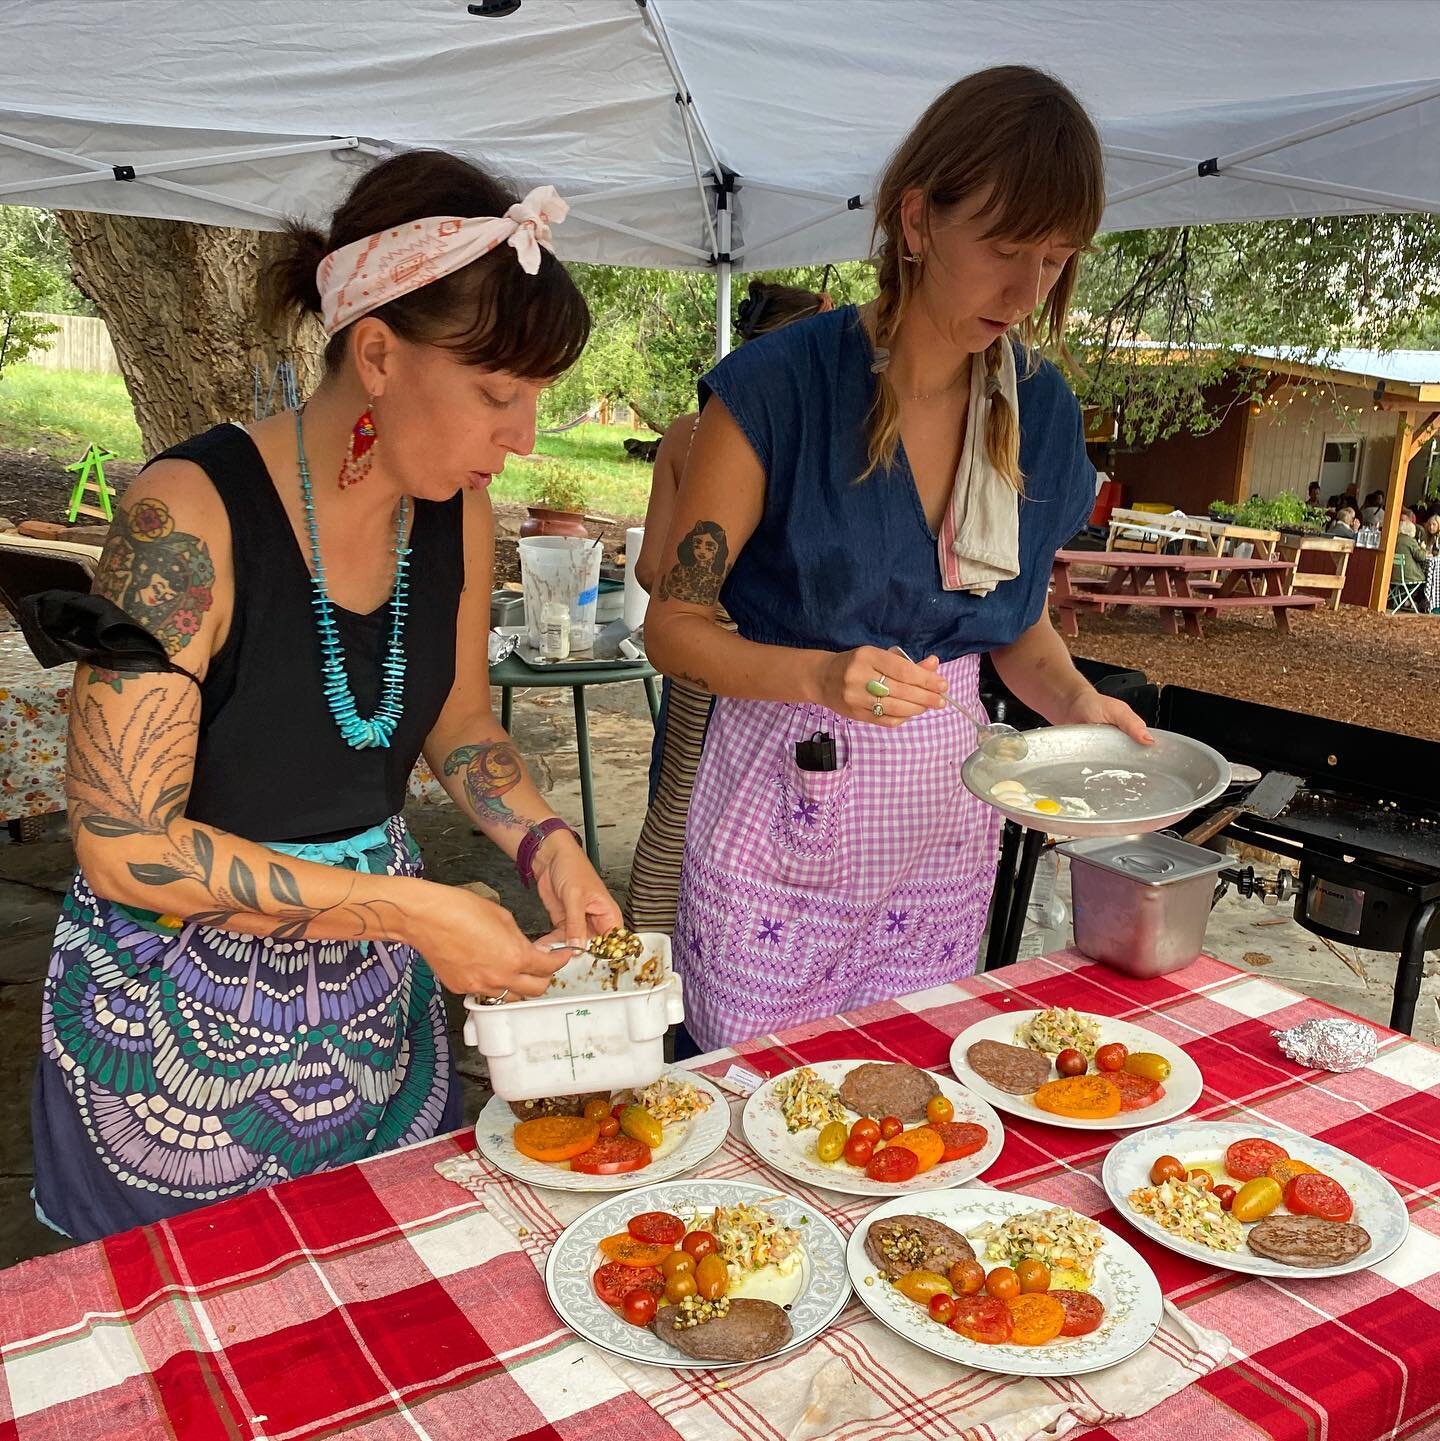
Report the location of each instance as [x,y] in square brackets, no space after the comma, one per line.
[492,770]
[701,560]
[160,576]
[129,776]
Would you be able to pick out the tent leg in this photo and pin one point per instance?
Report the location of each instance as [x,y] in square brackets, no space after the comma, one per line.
[722,284]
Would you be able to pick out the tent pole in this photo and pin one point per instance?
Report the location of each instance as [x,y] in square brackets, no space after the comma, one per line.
[723,200]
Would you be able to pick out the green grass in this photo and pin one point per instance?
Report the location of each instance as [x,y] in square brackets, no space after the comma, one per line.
[613,484]
[60,411]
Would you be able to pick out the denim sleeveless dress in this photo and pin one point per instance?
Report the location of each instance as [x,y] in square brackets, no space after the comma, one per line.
[806,893]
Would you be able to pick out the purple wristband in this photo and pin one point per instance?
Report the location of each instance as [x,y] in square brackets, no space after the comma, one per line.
[534,839]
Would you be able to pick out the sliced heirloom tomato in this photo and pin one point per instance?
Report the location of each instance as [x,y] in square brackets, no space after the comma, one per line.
[625,1249]
[960,1138]
[613,1282]
[1083,1312]
[1035,1319]
[1136,1092]
[982,1318]
[1311,1194]
[656,1228]
[611,1157]
[555,1138]
[1252,1157]
[924,1141]
[893,1165]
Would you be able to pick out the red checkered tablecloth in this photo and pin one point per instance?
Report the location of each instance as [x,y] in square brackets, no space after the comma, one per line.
[380,1301]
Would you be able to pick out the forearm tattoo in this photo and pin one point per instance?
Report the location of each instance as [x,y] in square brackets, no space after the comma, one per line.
[492,769]
[129,778]
[701,560]
[159,576]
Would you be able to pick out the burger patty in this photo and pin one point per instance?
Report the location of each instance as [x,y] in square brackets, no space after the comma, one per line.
[747,1331]
[881,1088]
[901,1244]
[1308,1240]
[556,1105]
[1016,1069]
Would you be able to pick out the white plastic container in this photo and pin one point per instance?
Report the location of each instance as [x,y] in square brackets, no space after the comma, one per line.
[566,569]
[637,598]
[578,1038]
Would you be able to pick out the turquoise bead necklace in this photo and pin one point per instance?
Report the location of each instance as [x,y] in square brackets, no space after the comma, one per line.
[354,729]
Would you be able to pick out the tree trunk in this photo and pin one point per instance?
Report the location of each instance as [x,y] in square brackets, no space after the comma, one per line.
[182,305]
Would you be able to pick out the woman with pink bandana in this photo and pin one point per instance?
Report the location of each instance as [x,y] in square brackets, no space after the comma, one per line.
[243,986]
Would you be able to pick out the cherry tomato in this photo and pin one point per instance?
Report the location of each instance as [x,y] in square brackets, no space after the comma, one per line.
[638,1307]
[659,1228]
[890,1127]
[609,1128]
[639,1124]
[942,1308]
[597,1109]
[1166,1168]
[866,1129]
[939,1109]
[617,1108]
[1002,1283]
[1149,1065]
[1111,1057]
[1201,1178]
[1317,1195]
[712,1280]
[698,1245]
[858,1150]
[1256,1199]
[1252,1157]
[678,1263]
[1083,1312]
[1071,1062]
[982,1318]
[922,1285]
[613,1282]
[967,1277]
[831,1144]
[894,1165]
[679,1286]
[1033,1275]
[1226,1196]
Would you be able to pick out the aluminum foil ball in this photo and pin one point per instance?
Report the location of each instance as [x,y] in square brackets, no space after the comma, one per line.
[1330,1044]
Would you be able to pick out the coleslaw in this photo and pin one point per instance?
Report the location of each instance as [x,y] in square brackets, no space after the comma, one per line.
[1191,1212]
[749,1239]
[805,1100]
[1064,1240]
[1059,1029]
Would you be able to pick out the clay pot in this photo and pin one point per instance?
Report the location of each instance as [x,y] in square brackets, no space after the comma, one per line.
[543,521]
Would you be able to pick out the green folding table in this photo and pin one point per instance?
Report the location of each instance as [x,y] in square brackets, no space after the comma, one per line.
[513,674]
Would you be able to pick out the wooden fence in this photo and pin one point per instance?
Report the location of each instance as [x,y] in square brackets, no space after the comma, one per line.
[81,343]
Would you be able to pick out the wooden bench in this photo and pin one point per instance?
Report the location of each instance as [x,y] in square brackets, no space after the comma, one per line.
[1191,607]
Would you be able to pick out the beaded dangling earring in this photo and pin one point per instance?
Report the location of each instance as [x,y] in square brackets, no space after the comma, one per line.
[360,454]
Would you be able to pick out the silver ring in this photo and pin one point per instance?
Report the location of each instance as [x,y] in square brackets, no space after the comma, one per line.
[495,1000]
[878,709]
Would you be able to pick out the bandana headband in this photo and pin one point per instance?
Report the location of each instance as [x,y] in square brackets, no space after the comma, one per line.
[366,274]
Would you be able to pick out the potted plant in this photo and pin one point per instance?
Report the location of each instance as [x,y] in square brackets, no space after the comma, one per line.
[1291,516]
[557,506]
[1222,510]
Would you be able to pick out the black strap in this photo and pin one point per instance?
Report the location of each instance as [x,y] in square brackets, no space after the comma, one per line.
[62,627]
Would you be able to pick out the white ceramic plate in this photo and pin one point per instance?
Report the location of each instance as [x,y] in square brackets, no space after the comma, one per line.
[822,1291]
[1182,1090]
[1378,1207]
[686,1145]
[1123,1283]
[794,1154]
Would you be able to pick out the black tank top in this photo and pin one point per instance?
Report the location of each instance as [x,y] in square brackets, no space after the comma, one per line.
[271,765]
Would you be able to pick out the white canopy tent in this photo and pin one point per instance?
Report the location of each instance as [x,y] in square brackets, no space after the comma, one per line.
[738,134]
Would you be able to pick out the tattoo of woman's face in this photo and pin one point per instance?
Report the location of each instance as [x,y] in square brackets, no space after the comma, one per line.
[701,560]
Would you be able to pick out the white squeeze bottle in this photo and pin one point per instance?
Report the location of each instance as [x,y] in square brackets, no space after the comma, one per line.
[555,630]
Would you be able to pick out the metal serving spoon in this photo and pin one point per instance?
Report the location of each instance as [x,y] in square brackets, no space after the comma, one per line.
[998,741]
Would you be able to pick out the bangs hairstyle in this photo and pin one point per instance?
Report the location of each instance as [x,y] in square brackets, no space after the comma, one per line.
[489,313]
[1019,136]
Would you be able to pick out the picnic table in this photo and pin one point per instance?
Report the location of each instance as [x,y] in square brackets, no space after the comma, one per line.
[1180,586]
[381,1300]
[1195,534]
